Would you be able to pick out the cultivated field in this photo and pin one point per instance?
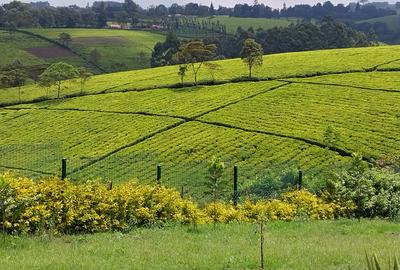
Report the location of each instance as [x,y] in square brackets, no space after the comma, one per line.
[288,245]
[127,123]
[32,51]
[232,23]
[119,49]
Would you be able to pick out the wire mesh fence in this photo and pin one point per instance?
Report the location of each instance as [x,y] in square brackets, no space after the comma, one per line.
[188,176]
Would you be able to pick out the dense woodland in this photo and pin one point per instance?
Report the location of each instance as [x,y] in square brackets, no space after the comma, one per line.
[326,34]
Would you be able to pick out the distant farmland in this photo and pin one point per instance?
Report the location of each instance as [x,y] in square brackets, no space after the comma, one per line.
[232,23]
[119,49]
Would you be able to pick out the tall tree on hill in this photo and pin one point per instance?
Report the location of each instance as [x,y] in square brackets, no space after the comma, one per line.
[56,74]
[252,54]
[195,53]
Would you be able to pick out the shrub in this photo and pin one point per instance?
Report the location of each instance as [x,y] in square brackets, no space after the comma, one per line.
[52,205]
[63,207]
[375,192]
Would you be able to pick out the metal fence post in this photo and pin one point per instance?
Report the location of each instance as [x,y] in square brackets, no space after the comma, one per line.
[300,183]
[63,168]
[235,185]
[159,174]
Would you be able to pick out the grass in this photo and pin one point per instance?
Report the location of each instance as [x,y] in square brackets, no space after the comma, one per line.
[119,49]
[294,245]
[232,23]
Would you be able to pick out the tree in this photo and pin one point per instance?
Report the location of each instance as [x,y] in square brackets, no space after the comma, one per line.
[195,53]
[182,72]
[65,38]
[95,56]
[56,74]
[252,54]
[14,75]
[215,185]
[84,76]
[212,68]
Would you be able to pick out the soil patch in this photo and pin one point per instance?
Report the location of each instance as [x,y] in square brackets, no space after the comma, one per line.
[50,52]
[100,40]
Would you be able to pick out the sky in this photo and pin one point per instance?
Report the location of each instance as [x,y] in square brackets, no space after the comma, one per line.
[228,3]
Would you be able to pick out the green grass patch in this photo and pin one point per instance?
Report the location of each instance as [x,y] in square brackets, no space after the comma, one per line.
[294,245]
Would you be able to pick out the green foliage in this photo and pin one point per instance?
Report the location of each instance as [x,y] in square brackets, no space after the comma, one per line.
[195,53]
[56,74]
[331,137]
[252,54]
[182,72]
[375,192]
[65,38]
[84,76]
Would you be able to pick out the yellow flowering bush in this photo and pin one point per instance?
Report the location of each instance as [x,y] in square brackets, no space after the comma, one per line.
[57,206]
[64,207]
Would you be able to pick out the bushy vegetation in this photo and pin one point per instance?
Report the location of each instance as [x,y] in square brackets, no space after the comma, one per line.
[62,207]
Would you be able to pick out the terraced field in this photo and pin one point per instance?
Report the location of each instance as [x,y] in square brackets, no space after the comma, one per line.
[286,65]
[125,131]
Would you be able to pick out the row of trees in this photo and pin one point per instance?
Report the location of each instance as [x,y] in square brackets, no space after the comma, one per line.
[15,75]
[297,37]
[317,11]
[195,54]
[18,14]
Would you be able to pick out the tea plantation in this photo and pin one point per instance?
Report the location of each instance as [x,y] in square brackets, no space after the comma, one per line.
[309,111]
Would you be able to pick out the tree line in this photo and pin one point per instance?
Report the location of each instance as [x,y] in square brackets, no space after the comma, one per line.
[18,14]
[304,36]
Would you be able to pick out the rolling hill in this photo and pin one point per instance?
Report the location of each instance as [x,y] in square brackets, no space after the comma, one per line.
[119,49]
[126,123]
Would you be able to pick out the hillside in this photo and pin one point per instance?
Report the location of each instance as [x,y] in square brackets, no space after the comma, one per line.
[232,23]
[127,123]
[119,49]
[27,49]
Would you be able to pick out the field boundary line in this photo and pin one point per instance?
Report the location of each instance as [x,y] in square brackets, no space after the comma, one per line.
[100,111]
[109,91]
[343,85]
[170,127]
[341,152]
[137,141]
